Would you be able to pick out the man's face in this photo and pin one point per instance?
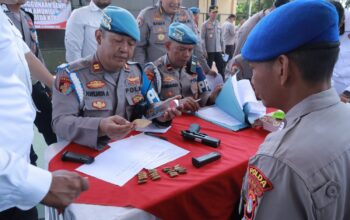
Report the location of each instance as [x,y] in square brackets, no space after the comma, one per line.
[102,3]
[213,15]
[179,54]
[171,6]
[266,83]
[114,50]
[196,18]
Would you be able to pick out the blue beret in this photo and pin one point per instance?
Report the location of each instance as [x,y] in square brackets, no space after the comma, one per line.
[120,21]
[182,34]
[295,24]
[194,10]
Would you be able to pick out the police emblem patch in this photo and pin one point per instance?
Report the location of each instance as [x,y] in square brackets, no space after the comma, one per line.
[99,104]
[137,98]
[133,80]
[96,67]
[150,74]
[168,79]
[258,183]
[95,84]
[65,85]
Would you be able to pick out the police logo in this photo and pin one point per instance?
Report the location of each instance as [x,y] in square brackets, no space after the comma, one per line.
[133,80]
[96,67]
[161,37]
[137,98]
[150,74]
[106,21]
[99,104]
[178,34]
[65,85]
[168,79]
[95,84]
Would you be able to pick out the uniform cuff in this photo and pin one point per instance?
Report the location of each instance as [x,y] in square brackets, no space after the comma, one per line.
[35,188]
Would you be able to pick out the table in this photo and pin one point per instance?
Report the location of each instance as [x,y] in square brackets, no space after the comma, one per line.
[210,192]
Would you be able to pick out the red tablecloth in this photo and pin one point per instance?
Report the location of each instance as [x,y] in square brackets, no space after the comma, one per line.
[209,192]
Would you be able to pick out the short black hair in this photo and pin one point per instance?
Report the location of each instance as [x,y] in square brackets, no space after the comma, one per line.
[278,3]
[315,63]
[340,10]
[231,16]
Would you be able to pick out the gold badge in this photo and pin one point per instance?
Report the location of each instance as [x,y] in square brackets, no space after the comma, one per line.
[161,37]
[95,84]
[96,67]
[168,79]
[64,85]
[134,80]
[137,98]
[99,104]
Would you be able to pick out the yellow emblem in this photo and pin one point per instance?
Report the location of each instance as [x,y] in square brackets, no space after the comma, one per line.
[99,104]
[95,84]
[161,37]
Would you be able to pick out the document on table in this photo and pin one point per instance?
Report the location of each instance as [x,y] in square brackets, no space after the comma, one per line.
[126,157]
[154,129]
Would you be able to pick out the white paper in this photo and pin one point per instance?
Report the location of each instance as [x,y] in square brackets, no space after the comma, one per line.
[154,129]
[214,113]
[127,157]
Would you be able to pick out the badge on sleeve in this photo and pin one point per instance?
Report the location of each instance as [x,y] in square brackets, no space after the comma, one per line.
[137,98]
[64,85]
[258,183]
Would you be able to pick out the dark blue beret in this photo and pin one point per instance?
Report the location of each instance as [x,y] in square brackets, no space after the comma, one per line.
[195,10]
[182,34]
[120,21]
[295,24]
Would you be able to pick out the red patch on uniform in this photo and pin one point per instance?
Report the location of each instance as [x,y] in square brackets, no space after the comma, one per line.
[150,75]
[96,67]
[99,104]
[95,84]
[258,183]
[133,80]
[64,85]
[137,98]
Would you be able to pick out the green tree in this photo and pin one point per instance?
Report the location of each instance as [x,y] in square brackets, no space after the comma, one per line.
[242,10]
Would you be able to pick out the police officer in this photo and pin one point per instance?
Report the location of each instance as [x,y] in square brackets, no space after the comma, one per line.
[171,77]
[195,12]
[154,23]
[301,171]
[94,97]
[24,21]
[212,40]
[237,65]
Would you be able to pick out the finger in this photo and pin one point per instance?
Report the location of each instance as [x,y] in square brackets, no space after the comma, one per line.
[85,183]
[175,97]
[119,120]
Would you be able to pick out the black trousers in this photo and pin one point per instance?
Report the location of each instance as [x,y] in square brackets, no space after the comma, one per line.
[17,214]
[229,49]
[220,64]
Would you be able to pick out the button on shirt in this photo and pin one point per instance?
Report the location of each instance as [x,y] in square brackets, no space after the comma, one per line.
[19,181]
[80,39]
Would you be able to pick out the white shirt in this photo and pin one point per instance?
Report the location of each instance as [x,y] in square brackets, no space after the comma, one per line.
[21,184]
[80,32]
[228,33]
[341,72]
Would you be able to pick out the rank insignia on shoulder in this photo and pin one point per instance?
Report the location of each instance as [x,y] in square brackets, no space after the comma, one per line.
[150,74]
[95,84]
[99,104]
[64,85]
[96,67]
[137,98]
[134,80]
[169,67]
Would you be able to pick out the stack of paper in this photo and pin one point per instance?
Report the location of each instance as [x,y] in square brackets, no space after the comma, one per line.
[127,157]
[235,107]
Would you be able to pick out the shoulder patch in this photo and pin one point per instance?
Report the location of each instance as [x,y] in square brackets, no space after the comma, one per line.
[64,85]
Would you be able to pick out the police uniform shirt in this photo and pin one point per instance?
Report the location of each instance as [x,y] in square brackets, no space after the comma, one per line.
[104,94]
[244,30]
[179,82]
[302,171]
[20,185]
[80,32]
[154,25]
[228,33]
[237,65]
[212,38]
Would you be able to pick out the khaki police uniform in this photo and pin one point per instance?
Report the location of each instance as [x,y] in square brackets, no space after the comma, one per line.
[213,44]
[154,25]
[302,171]
[77,112]
[237,65]
[179,82]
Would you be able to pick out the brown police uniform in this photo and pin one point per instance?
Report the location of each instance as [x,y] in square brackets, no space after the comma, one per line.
[77,112]
[179,82]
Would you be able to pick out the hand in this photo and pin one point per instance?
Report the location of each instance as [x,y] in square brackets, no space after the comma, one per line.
[65,187]
[189,104]
[212,73]
[344,98]
[115,127]
[171,112]
[214,94]
[205,54]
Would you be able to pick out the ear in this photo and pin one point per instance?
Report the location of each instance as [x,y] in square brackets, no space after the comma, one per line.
[283,68]
[98,36]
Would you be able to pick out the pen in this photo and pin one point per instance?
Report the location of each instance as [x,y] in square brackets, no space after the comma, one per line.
[197,100]
[156,136]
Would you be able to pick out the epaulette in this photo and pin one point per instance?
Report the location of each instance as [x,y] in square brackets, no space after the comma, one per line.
[79,64]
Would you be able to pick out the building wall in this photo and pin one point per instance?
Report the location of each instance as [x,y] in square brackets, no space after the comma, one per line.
[226,7]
